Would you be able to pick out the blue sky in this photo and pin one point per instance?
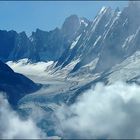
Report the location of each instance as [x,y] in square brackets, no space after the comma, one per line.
[46,15]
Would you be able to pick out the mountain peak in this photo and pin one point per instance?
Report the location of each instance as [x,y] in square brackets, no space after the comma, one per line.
[134,4]
[23,34]
[71,25]
[71,18]
[102,9]
[117,9]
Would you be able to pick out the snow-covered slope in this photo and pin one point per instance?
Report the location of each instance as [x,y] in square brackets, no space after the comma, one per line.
[35,71]
[108,40]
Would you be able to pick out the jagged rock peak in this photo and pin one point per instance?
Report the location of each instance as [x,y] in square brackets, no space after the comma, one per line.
[134,3]
[71,25]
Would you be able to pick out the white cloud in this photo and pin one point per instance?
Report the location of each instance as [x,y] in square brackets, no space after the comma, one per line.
[13,127]
[111,111]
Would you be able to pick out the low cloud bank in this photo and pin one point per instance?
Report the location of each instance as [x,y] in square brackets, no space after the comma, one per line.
[111,111]
[13,127]
[104,112]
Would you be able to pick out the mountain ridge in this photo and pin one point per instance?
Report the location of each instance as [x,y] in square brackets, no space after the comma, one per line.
[40,45]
